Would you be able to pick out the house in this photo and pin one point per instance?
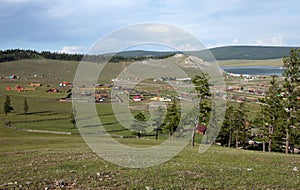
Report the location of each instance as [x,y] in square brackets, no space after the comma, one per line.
[201,129]
[184,79]
[12,77]
[158,80]
[53,90]
[35,84]
[65,83]
[19,88]
[155,98]
[251,89]
[137,98]
[163,99]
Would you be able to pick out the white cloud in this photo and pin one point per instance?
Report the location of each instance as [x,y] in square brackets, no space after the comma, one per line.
[277,40]
[274,41]
[72,49]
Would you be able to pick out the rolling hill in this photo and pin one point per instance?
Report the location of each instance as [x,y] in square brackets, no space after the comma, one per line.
[226,52]
[220,53]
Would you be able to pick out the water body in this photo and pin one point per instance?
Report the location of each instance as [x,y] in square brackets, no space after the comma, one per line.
[254,70]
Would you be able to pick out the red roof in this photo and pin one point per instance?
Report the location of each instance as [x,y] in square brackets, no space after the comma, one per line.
[201,129]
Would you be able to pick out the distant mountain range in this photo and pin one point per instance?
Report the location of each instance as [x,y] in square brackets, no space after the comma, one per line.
[226,52]
[220,53]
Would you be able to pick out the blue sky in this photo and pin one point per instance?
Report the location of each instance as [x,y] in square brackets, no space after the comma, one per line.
[74,26]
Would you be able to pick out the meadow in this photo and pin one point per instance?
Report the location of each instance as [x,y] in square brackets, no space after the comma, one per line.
[56,161]
[266,62]
[35,161]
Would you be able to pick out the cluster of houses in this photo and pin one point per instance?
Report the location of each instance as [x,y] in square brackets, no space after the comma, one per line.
[17,88]
[34,85]
[20,88]
[245,76]
[102,93]
[259,90]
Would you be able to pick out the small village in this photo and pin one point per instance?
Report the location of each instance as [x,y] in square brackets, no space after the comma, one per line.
[239,88]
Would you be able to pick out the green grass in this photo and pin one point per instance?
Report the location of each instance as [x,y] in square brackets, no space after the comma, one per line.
[267,62]
[38,160]
[41,160]
[51,70]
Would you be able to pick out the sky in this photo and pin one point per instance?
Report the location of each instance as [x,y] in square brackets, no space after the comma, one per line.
[73,26]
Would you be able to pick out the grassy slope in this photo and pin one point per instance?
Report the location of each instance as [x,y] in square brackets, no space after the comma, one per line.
[55,71]
[52,70]
[40,160]
[37,160]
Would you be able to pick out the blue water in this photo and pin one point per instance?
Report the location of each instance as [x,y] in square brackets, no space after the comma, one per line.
[254,70]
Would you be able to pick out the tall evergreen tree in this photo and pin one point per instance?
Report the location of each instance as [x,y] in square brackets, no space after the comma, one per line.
[172,118]
[225,134]
[291,89]
[158,121]
[240,124]
[73,117]
[201,85]
[7,105]
[192,118]
[272,111]
[25,106]
[260,128]
[202,88]
[139,126]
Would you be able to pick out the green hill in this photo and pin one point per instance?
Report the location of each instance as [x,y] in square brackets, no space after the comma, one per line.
[250,52]
[224,53]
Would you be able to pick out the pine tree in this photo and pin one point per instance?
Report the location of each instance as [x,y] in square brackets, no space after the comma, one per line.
[291,89]
[202,88]
[272,111]
[225,134]
[25,106]
[158,121]
[240,124]
[261,130]
[73,117]
[139,126]
[172,118]
[192,118]
[7,105]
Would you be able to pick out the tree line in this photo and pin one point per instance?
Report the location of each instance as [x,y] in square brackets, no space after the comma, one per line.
[18,54]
